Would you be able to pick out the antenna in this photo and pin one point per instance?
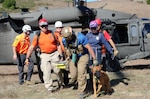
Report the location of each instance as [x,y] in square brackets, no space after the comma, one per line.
[102,6]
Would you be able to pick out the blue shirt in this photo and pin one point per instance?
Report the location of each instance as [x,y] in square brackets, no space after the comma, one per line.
[96,40]
[81,40]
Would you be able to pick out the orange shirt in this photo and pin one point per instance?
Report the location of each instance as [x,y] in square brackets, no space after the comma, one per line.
[60,40]
[21,43]
[46,42]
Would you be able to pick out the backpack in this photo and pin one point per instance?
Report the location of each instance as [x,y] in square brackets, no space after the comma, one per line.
[39,32]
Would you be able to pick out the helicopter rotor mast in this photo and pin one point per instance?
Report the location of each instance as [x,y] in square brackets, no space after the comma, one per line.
[77,2]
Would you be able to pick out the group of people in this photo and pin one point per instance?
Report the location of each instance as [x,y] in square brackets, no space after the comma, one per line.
[79,50]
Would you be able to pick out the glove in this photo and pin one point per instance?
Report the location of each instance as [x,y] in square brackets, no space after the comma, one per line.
[27,62]
[112,56]
[67,52]
[115,52]
[95,62]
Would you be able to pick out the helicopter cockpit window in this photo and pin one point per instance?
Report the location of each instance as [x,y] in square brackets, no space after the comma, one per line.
[146,30]
[120,34]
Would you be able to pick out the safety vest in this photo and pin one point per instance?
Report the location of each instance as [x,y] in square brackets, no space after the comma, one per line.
[73,47]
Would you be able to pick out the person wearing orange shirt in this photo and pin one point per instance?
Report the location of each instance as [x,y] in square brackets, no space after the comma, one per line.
[50,52]
[20,47]
[59,26]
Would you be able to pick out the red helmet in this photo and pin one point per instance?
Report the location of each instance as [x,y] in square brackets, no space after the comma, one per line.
[98,21]
[43,22]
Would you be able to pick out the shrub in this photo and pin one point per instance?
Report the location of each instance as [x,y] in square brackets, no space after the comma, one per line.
[1,1]
[10,4]
[148,1]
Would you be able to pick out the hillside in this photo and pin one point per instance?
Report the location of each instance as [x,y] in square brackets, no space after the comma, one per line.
[128,6]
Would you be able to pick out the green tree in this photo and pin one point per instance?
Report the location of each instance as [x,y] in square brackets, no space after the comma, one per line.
[10,4]
[148,1]
[1,1]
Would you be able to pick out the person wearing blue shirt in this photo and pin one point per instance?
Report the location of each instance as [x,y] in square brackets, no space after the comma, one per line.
[77,49]
[96,40]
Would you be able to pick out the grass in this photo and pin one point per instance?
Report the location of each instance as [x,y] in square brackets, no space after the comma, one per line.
[25,3]
[31,4]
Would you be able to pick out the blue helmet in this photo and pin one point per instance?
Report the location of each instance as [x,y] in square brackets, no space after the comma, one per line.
[93,24]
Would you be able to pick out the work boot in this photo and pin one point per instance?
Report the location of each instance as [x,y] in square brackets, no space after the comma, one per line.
[83,95]
[29,82]
[21,83]
[52,90]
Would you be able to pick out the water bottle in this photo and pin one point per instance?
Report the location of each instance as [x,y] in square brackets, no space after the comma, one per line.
[74,57]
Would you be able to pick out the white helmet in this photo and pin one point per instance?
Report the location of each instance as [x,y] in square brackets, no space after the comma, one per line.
[58,24]
[26,28]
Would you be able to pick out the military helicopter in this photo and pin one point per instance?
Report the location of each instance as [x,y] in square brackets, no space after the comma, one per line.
[130,33]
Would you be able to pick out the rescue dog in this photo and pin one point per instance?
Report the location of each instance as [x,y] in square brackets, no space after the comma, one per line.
[100,80]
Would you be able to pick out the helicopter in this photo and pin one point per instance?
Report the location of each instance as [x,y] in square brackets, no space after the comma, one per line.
[130,33]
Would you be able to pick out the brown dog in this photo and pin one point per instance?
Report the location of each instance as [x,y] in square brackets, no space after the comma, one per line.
[101,79]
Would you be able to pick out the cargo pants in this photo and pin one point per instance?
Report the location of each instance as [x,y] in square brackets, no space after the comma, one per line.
[48,63]
[78,72]
[20,62]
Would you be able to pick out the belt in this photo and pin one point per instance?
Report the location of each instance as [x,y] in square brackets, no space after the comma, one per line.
[49,52]
[21,54]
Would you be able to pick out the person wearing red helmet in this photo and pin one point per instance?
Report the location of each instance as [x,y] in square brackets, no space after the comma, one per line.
[48,44]
[108,38]
[99,21]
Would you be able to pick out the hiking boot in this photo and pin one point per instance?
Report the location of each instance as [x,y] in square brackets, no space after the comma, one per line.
[74,84]
[29,82]
[83,95]
[51,90]
[21,83]
[61,86]
[75,87]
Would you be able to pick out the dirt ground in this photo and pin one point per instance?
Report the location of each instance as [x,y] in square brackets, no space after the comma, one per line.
[128,6]
[129,83]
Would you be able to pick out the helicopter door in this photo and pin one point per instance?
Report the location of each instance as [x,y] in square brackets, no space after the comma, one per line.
[146,35]
[134,34]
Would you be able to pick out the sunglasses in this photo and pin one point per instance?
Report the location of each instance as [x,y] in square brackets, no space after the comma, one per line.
[44,26]
[59,27]
[93,28]
[29,31]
